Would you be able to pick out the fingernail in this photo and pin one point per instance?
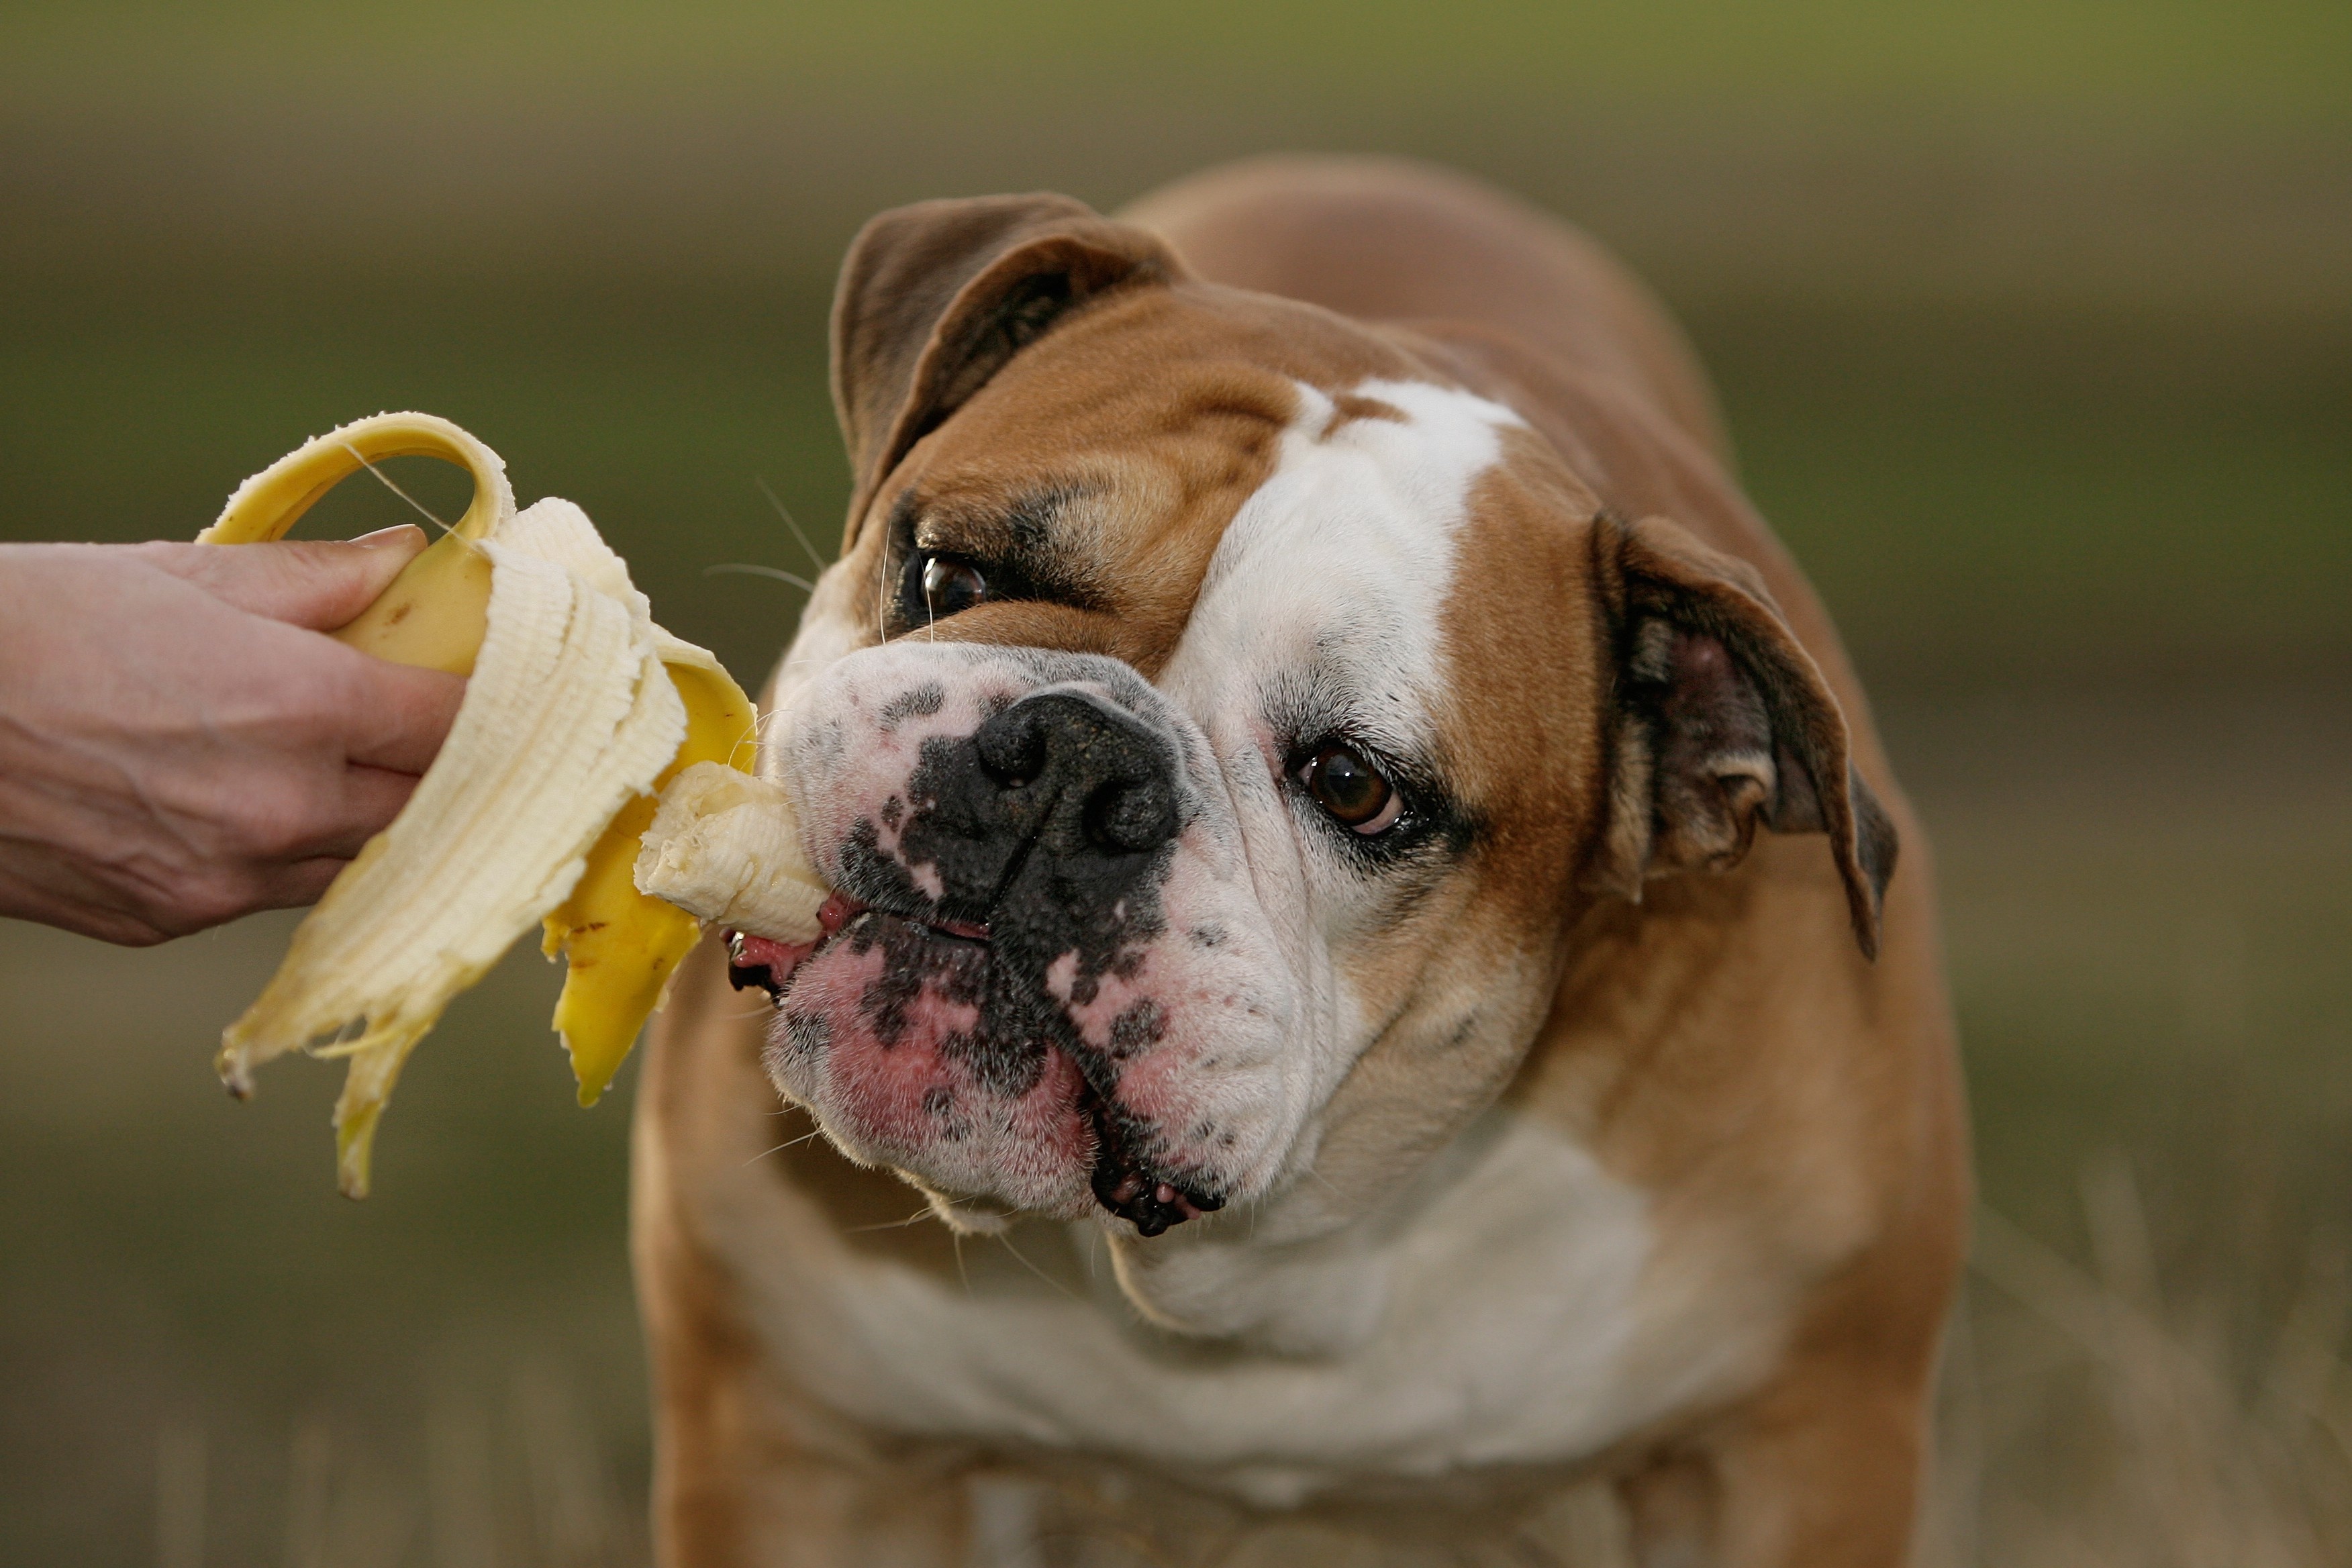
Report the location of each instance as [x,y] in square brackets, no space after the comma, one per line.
[397,532]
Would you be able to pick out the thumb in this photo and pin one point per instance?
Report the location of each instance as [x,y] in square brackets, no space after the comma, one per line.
[318,584]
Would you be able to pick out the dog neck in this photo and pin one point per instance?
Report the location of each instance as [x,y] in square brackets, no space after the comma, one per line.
[1314,1273]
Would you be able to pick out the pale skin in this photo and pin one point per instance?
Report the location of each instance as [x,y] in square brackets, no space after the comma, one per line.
[181,745]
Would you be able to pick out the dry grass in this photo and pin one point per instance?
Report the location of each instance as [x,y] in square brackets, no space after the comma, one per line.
[2094,1415]
[508,1477]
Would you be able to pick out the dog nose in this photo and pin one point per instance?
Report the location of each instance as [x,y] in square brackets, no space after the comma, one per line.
[1104,780]
[1042,824]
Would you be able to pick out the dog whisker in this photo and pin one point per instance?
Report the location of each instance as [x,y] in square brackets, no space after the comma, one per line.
[755,570]
[800,539]
[790,1143]
[1032,1268]
[921,1213]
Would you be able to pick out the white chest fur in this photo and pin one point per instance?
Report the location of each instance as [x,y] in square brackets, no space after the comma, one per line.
[1502,1320]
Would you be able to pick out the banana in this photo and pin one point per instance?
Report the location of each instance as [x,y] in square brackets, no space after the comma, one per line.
[621,945]
[577,710]
[435,611]
[726,847]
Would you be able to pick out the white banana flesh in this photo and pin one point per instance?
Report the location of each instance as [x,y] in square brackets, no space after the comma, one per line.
[726,846]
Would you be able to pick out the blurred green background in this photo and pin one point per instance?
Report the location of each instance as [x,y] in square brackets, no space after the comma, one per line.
[2033,323]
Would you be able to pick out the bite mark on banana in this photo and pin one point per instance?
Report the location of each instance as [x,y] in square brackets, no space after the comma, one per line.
[726,846]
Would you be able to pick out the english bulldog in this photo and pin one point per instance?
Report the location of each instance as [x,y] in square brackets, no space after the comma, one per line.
[1368,984]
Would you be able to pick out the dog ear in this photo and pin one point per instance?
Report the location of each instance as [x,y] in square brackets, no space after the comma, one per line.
[936,297]
[1722,724]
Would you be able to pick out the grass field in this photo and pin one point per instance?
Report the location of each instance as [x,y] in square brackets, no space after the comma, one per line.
[2031,330]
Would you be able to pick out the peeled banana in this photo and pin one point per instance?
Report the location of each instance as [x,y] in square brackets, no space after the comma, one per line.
[726,847]
[578,710]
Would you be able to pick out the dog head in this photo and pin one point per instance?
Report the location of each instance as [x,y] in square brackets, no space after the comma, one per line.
[1214,722]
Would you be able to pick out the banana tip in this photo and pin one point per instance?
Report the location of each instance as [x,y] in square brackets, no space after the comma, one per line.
[354,1142]
[236,1070]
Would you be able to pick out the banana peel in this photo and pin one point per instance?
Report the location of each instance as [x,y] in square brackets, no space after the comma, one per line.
[579,709]
[621,945]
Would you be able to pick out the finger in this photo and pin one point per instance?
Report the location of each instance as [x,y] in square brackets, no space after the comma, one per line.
[342,815]
[372,798]
[397,715]
[299,882]
[317,583]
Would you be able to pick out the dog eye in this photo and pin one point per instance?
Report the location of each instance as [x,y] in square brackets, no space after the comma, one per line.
[1352,789]
[950,585]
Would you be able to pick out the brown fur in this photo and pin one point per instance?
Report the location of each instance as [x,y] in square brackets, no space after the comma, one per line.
[1700,1014]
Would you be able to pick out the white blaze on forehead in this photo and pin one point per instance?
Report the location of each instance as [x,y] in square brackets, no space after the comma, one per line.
[1343,558]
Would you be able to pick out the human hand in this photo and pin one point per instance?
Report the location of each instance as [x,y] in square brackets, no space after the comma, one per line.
[179,744]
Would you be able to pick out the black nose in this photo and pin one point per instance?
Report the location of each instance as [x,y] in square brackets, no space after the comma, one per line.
[1103,781]
[1042,824]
